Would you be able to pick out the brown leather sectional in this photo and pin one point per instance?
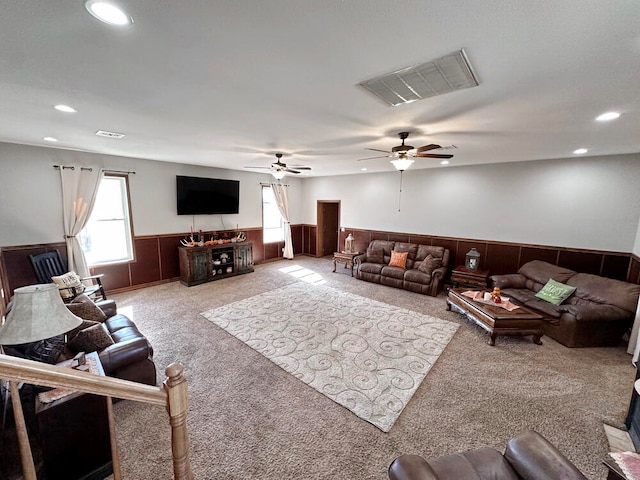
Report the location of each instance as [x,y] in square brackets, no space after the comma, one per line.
[528,456]
[409,278]
[597,314]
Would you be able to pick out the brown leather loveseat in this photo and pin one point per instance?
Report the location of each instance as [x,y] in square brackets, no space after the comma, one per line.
[129,356]
[597,314]
[528,456]
[423,272]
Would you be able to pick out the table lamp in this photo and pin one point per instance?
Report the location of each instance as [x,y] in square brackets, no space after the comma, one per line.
[37,313]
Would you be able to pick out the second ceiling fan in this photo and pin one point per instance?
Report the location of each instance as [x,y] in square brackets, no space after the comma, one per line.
[403,155]
[279,169]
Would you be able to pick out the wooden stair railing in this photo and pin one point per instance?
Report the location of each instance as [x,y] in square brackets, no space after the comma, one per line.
[172,394]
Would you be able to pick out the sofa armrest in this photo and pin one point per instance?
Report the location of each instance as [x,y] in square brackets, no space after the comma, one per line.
[534,458]
[124,353]
[359,259]
[411,467]
[511,280]
[595,312]
[109,307]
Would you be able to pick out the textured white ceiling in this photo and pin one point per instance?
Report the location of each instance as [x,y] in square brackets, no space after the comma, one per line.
[227,83]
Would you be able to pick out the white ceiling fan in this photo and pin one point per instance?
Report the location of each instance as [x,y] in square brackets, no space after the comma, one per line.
[279,169]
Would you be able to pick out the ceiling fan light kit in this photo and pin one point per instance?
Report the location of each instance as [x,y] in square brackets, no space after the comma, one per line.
[279,169]
[404,155]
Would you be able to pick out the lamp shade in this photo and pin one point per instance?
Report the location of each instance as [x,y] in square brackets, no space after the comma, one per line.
[37,313]
[402,164]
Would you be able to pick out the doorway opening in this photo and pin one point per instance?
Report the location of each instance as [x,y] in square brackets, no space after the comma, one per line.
[328,219]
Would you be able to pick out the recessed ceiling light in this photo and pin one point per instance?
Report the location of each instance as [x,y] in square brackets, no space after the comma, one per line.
[605,117]
[50,139]
[363,169]
[580,151]
[65,108]
[444,162]
[108,13]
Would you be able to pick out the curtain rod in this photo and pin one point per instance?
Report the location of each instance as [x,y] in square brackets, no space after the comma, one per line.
[89,169]
[269,184]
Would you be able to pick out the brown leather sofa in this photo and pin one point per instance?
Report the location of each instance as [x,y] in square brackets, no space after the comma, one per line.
[129,358]
[411,277]
[528,456]
[131,355]
[597,314]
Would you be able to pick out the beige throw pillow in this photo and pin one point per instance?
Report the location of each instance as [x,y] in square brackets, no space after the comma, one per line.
[91,339]
[69,284]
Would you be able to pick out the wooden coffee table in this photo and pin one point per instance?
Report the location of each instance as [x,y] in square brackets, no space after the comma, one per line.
[496,320]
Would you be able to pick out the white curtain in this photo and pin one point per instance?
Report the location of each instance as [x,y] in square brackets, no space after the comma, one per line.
[280,193]
[79,190]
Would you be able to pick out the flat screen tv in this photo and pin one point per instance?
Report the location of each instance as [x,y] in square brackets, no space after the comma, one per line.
[202,196]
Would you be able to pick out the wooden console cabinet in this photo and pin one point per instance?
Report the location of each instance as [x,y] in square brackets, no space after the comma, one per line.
[213,262]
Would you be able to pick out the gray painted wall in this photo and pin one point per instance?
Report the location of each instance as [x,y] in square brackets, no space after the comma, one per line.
[31,198]
[590,202]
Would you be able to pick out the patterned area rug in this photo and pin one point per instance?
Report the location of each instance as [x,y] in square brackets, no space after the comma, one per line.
[368,356]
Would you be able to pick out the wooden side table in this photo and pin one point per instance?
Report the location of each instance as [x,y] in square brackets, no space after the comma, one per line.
[346,258]
[463,277]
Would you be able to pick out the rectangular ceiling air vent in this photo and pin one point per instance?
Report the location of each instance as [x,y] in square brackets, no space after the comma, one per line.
[442,75]
[104,133]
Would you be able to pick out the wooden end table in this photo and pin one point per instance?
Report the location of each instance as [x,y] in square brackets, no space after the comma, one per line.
[496,320]
[462,276]
[346,258]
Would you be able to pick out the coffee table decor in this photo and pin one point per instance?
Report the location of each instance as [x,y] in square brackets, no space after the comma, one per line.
[365,355]
[485,297]
[495,318]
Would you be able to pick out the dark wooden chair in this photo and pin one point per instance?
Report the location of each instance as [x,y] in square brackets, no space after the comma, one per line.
[47,265]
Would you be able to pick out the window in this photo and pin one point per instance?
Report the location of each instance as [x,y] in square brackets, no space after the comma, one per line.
[272,224]
[107,236]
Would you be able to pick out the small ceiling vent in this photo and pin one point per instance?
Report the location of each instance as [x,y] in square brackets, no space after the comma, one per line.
[442,75]
[104,133]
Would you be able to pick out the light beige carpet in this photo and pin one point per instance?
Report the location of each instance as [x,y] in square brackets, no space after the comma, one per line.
[365,355]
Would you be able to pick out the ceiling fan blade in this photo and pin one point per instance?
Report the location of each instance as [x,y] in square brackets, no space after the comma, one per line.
[373,158]
[426,148]
[299,167]
[290,170]
[267,169]
[378,150]
[432,155]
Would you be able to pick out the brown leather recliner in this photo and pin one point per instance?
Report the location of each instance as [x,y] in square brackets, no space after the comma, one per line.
[131,355]
[528,456]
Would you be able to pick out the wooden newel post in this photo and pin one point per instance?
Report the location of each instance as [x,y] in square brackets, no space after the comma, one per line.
[177,405]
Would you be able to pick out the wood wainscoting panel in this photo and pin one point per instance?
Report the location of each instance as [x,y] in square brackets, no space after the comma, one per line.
[398,237]
[421,239]
[116,276]
[169,260]
[501,259]
[271,250]
[634,270]
[549,255]
[296,238]
[615,266]
[583,262]
[146,267]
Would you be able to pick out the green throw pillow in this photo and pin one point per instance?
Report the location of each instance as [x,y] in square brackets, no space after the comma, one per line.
[555,292]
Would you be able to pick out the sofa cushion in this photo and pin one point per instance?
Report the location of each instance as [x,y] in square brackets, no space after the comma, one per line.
[605,290]
[540,272]
[398,259]
[91,339]
[393,272]
[417,276]
[375,255]
[410,248]
[425,250]
[544,307]
[85,324]
[555,292]
[371,268]
[69,284]
[87,310]
[385,245]
[429,264]
[521,295]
